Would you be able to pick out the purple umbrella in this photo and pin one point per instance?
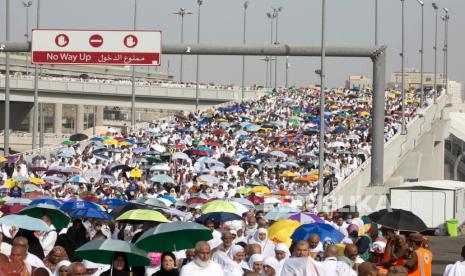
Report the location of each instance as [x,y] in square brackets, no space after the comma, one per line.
[304,217]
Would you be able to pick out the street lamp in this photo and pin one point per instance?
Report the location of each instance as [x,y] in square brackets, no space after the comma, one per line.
[376,22]
[402,85]
[276,12]
[133,98]
[181,12]
[246,5]
[267,59]
[287,71]
[322,109]
[26,35]
[435,7]
[199,2]
[446,18]
[271,16]
[35,109]
[422,95]
[6,137]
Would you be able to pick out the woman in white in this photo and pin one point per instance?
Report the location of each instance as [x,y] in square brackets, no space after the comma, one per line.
[256,263]
[260,236]
[282,253]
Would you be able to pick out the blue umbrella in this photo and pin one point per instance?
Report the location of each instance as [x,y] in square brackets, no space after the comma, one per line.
[53,178]
[162,178]
[79,204]
[339,129]
[112,202]
[99,148]
[219,217]
[102,157]
[168,197]
[323,230]
[139,150]
[96,139]
[111,178]
[25,222]
[90,213]
[77,179]
[49,201]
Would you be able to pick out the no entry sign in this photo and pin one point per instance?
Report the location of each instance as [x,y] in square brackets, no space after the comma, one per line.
[96,47]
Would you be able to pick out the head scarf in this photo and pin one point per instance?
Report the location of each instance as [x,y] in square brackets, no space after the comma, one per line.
[60,264]
[230,268]
[234,250]
[283,247]
[163,271]
[255,258]
[48,262]
[352,228]
[271,261]
[256,239]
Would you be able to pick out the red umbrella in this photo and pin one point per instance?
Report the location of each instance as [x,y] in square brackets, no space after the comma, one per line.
[256,199]
[5,209]
[218,131]
[91,199]
[213,143]
[194,200]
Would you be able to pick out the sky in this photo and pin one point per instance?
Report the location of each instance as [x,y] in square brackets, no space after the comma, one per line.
[349,23]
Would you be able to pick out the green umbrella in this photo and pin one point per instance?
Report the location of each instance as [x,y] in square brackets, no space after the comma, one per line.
[174,236]
[140,215]
[103,252]
[162,178]
[59,219]
[153,159]
[68,142]
[218,206]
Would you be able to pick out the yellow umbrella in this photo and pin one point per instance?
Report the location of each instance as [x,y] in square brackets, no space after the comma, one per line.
[123,143]
[364,113]
[261,189]
[3,159]
[10,182]
[391,96]
[289,174]
[36,181]
[110,142]
[282,230]
[333,107]
[137,173]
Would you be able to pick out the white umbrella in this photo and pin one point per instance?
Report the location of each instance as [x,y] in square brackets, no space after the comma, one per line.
[160,167]
[217,169]
[278,153]
[235,169]
[180,155]
[272,200]
[159,148]
[209,179]
[240,209]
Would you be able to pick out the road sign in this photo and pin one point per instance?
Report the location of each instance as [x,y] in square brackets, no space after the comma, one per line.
[96,47]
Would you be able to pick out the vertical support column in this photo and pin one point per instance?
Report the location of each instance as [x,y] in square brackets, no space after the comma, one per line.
[99,116]
[31,118]
[377,145]
[79,118]
[58,118]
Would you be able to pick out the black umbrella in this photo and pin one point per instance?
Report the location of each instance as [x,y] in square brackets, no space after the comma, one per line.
[78,137]
[218,217]
[126,207]
[398,219]
[117,166]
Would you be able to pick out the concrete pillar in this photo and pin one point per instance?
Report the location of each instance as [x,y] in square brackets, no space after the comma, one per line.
[31,120]
[99,116]
[79,118]
[58,118]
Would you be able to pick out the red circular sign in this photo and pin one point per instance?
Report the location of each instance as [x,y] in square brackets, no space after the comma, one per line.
[96,40]
[61,40]
[130,41]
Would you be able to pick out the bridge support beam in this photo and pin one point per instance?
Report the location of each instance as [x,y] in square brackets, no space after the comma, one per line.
[79,118]
[99,115]
[58,118]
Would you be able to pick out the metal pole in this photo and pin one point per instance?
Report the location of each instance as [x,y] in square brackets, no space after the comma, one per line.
[445,49]
[35,108]
[322,110]
[26,35]
[181,13]
[376,22]
[266,71]
[276,12]
[402,85]
[42,127]
[435,7]
[271,17]
[377,148]
[94,121]
[287,71]
[246,4]
[447,52]
[422,88]
[6,141]
[199,2]
[133,78]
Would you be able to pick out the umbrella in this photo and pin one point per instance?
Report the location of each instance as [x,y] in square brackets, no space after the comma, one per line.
[18,201]
[59,219]
[101,157]
[261,189]
[398,219]
[196,200]
[160,167]
[25,222]
[54,179]
[103,252]
[35,180]
[271,200]
[48,201]
[90,213]
[155,202]
[139,150]
[78,137]
[174,236]
[126,207]
[282,230]
[77,179]
[79,204]
[29,188]
[68,142]
[240,209]
[139,215]
[219,217]
[279,154]
[218,206]
[325,231]
[304,217]
[136,173]
[180,155]
[209,179]
[162,178]
[112,203]
[247,203]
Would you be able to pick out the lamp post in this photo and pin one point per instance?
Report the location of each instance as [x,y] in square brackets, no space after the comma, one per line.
[287,71]
[246,5]
[435,7]
[133,95]
[199,2]
[26,35]
[271,16]
[376,22]
[422,90]
[6,141]
[446,18]
[267,59]
[402,85]
[35,109]
[181,12]
[276,12]
[322,109]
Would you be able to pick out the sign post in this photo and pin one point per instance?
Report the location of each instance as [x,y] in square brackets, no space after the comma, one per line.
[96,47]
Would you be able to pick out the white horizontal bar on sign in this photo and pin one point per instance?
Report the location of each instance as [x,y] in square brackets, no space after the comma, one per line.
[113,41]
